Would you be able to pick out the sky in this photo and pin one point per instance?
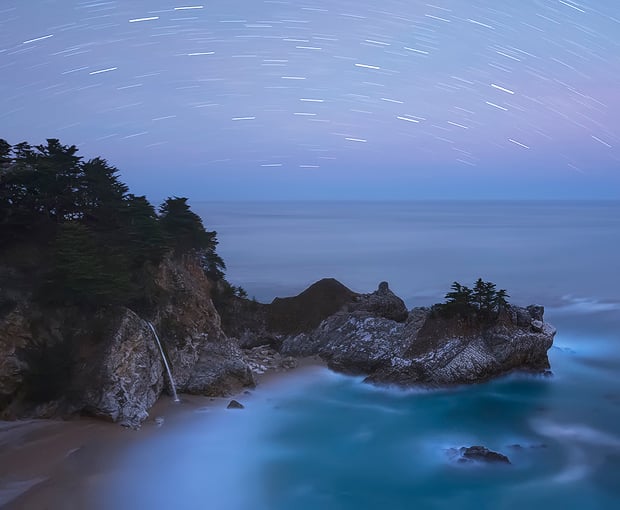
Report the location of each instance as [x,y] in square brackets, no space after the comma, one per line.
[323,99]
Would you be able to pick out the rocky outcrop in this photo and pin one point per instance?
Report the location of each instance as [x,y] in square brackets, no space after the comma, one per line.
[427,348]
[306,310]
[203,359]
[125,378]
[264,358]
[481,454]
[233,404]
[65,361]
[255,324]
[381,303]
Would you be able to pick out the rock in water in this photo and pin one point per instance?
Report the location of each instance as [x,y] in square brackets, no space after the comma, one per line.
[233,404]
[482,454]
[427,348]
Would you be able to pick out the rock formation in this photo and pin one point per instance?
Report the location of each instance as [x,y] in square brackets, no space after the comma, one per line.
[427,348]
[61,361]
[469,454]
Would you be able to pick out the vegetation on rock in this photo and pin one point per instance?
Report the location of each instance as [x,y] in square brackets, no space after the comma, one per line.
[483,301]
[71,228]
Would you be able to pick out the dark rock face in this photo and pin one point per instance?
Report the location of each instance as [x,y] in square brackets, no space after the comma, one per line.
[306,310]
[427,349]
[255,324]
[478,454]
[203,359]
[233,404]
[59,362]
[382,303]
[246,320]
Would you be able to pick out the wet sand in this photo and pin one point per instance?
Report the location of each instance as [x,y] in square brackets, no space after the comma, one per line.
[62,465]
[49,464]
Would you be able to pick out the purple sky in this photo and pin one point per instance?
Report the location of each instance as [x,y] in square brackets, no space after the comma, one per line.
[324,99]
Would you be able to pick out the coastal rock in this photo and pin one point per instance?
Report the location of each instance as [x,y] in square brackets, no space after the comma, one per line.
[477,454]
[305,311]
[427,348]
[219,371]
[233,404]
[14,337]
[264,358]
[202,358]
[245,320]
[126,378]
[382,303]
[60,361]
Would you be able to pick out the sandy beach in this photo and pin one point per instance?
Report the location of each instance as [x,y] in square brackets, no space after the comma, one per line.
[50,464]
[62,465]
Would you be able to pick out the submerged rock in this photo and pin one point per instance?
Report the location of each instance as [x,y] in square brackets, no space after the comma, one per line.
[233,404]
[481,454]
[426,348]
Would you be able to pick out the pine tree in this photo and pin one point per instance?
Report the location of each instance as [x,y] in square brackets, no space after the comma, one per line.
[83,273]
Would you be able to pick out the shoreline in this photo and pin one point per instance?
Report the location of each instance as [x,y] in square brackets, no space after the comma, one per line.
[58,464]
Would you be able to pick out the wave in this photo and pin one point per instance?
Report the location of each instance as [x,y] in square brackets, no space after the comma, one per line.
[584,305]
[580,442]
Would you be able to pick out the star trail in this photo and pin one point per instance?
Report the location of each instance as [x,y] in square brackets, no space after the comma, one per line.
[295,96]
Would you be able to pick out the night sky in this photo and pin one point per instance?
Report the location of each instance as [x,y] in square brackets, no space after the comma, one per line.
[251,99]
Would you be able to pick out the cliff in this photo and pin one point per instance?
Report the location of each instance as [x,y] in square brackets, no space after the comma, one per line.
[63,361]
[56,362]
[374,335]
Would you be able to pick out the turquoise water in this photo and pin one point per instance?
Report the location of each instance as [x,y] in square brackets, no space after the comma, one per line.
[319,440]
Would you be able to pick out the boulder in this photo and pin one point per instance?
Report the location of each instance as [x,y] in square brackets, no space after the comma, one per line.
[233,404]
[126,378]
[482,454]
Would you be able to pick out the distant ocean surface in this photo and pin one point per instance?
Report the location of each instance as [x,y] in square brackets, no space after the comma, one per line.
[326,441]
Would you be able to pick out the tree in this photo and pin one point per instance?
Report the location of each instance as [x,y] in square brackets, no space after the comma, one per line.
[482,301]
[484,296]
[501,300]
[72,227]
[100,194]
[145,240]
[459,299]
[183,227]
[5,153]
[186,234]
[57,178]
[83,273]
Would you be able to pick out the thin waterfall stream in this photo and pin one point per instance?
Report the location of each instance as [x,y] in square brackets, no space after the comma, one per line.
[166,364]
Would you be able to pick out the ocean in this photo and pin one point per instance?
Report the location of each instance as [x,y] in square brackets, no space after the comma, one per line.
[320,440]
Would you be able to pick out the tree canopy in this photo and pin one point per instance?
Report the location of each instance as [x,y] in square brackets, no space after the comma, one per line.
[75,229]
[483,300]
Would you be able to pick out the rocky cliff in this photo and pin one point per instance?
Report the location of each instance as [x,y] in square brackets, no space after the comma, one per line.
[64,361]
[375,336]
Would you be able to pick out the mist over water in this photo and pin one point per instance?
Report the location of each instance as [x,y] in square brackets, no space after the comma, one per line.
[321,440]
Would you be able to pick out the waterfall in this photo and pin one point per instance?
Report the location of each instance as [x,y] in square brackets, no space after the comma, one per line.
[163,357]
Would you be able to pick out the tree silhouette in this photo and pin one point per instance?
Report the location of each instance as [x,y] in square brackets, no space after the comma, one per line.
[73,227]
[482,301]
[186,233]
